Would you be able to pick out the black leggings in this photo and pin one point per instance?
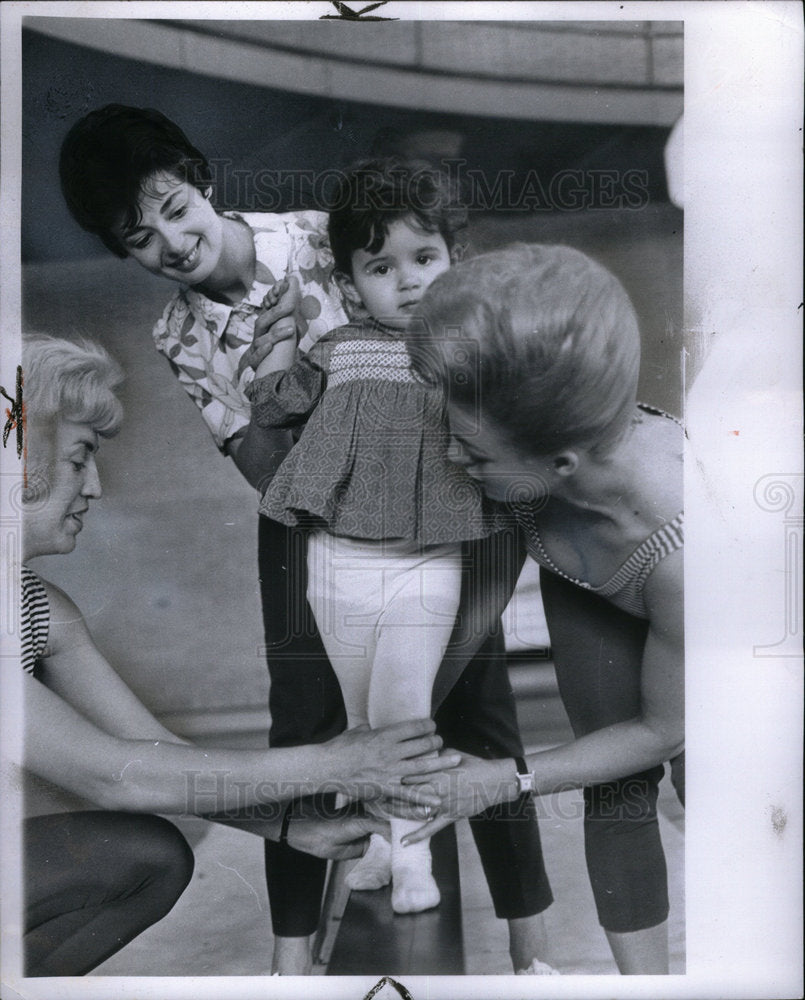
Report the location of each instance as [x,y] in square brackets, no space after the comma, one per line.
[93,882]
[477,715]
[598,652]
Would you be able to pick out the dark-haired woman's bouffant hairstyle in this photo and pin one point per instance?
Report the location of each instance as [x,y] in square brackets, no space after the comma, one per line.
[107,156]
[371,194]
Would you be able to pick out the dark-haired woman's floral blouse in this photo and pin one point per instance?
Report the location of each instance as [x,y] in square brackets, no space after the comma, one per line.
[204,340]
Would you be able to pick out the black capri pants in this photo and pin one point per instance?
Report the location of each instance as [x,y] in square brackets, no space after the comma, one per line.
[598,653]
[94,880]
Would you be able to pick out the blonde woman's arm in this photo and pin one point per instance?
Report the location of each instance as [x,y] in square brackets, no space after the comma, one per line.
[88,732]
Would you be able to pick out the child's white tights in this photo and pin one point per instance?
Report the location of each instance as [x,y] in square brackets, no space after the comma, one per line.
[385,614]
[409,868]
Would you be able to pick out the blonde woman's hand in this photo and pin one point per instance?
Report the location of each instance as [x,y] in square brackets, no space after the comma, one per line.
[344,835]
[372,763]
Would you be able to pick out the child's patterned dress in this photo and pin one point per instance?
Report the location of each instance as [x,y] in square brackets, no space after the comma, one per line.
[372,462]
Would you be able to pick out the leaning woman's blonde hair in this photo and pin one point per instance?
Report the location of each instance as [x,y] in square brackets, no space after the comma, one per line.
[75,380]
[541,339]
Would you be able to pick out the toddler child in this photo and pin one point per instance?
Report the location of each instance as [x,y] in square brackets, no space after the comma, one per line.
[370,475]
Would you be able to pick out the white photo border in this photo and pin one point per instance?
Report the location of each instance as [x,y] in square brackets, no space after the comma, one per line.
[743,290]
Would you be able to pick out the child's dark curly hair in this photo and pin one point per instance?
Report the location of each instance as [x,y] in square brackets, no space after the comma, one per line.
[371,194]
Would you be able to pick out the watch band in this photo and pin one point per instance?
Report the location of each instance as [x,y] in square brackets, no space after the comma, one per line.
[286,822]
[525,778]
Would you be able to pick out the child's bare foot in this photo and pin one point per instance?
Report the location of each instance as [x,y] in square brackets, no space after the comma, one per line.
[373,870]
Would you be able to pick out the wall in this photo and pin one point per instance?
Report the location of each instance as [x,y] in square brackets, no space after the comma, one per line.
[278,120]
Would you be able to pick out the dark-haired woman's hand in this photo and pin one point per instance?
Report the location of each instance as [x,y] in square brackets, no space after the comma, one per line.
[274,324]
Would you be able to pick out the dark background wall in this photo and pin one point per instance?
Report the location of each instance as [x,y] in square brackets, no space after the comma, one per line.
[246,129]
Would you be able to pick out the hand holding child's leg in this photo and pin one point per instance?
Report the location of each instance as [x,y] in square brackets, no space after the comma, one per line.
[275,324]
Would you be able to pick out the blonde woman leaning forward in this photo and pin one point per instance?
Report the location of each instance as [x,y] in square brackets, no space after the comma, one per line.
[538,350]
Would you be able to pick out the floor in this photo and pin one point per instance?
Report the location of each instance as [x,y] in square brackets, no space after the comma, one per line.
[221,925]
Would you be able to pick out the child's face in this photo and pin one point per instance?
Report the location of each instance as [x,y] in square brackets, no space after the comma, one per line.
[390,283]
[486,453]
[179,235]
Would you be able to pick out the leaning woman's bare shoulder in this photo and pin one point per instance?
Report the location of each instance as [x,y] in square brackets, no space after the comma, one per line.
[67,628]
[659,465]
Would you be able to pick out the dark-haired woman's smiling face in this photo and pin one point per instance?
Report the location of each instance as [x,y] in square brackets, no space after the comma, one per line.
[179,235]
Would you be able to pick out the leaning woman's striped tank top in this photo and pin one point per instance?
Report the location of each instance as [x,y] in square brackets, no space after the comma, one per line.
[625,587]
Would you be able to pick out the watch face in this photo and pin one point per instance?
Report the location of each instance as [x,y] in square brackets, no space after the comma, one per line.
[525,777]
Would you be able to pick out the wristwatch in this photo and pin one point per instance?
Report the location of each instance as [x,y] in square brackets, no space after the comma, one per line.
[525,778]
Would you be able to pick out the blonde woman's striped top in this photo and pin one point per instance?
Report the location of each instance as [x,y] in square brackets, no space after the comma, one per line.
[35,619]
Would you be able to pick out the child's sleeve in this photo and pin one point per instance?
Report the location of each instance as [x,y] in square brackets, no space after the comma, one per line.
[287,398]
